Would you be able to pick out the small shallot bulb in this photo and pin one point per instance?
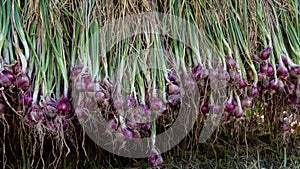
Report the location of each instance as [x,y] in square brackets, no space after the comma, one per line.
[130,102]
[295,70]
[173,88]
[247,102]
[6,78]
[199,72]
[238,113]
[265,53]
[35,115]
[172,76]
[23,81]
[155,158]
[231,63]
[242,83]
[127,132]
[26,98]
[282,72]
[205,108]
[229,105]
[62,105]
[253,91]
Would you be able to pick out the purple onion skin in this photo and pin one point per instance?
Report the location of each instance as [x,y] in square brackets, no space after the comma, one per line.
[130,102]
[26,98]
[291,88]
[213,74]
[282,72]
[273,84]
[231,63]
[199,72]
[173,88]
[260,76]
[242,83]
[205,108]
[270,71]
[128,133]
[6,78]
[264,67]
[172,76]
[226,117]
[157,105]
[265,53]
[65,124]
[174,99]
[292,100]
[238,113]
[247,103]
[144,126]
[281,85]
[155,159]
[16,68]
[112,124]
[106,84]
[284,60]
[76,70]
[253,91]
[283,125]
[23,81]
[229,106]
[295,70]
[102,97]
[62,105]
[52,124]
[35,115]
[224,76]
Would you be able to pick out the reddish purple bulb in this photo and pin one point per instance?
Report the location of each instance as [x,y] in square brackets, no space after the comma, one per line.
[282,72]
[130,102]
[238,113]
[231,63]
[295,70]
[26,98]
[224,75]
[127,132]
[242,83]
[292,99]
[23,81]
[76,70]
[174,99]
[247,102]
[173,88]
[6,78]
[172,76]
[199,72]
[35,115]
[253,91]
[155,159]
[229,105]
[273,84]
[205,108]
[265,53]
[62,105]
